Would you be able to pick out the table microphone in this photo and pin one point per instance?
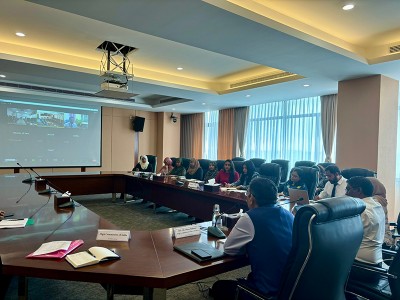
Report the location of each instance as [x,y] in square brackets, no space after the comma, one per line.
[27,180]
[215,231]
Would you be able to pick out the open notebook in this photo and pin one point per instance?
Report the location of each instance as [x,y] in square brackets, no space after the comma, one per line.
[199,251]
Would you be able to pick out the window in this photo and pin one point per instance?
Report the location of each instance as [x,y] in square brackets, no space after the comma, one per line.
[210,141]
[288,129]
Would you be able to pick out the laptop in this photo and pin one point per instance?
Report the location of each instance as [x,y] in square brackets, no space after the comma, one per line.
[199,251]
[295,195]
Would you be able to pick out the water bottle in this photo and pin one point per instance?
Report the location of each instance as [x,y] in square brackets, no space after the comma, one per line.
[216,218]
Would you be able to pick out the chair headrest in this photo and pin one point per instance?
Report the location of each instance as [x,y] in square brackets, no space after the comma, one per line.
[334,208]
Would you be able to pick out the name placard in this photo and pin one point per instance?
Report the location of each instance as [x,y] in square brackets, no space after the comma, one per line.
[184,231]
[193,185]
[113,235]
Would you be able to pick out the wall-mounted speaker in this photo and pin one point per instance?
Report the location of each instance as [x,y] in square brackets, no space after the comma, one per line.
[138,124]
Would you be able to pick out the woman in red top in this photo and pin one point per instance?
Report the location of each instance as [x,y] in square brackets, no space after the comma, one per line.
[227,174]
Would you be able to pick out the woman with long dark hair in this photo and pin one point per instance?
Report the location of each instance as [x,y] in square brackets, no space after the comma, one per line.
[248,174]
[227,174]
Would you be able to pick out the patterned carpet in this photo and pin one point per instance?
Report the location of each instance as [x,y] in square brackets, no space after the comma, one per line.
[129,215]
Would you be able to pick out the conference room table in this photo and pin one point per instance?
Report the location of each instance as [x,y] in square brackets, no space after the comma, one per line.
[148,260]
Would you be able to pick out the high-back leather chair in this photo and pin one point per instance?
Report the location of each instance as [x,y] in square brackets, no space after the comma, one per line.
[351,172]
[326,164]
[238,159]
[257,163]
[323,251]
[271,171]
[220,164]
[153,161]
[284,168]
[310,178]
[185,162]
[204,164]
[383,284]
[238,166]
[304,163]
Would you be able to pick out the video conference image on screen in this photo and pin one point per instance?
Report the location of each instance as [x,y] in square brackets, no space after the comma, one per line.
[37,134]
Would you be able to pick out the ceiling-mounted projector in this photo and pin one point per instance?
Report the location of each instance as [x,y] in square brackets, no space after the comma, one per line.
[113,70]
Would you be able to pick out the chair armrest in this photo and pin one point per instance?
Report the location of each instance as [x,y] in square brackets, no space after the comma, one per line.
[377,270]
[389,252]
[244,286]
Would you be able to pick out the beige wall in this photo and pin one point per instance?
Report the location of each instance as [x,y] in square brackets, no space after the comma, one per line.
[168,137]
[367,128]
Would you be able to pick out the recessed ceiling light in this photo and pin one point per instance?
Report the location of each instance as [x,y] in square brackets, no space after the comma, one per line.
[179,68]
[248,96]
[203,103]
[173,109]
[306,85]
[20,34]
[348,6]
[2,76]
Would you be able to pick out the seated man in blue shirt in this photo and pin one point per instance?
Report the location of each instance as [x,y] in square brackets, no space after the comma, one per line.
[264,233]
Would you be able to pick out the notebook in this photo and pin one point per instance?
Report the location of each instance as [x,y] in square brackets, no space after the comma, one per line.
[199,251]
[295,195]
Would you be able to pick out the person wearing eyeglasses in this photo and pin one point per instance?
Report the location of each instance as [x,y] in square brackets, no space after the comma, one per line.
[264,233]
[373,219]
[227,174]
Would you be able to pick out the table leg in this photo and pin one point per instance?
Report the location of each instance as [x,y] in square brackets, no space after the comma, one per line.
[110,291]
[22,288]
[154,294]
[114,197]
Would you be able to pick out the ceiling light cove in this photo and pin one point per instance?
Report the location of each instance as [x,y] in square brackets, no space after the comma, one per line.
[20,34]
[179,68]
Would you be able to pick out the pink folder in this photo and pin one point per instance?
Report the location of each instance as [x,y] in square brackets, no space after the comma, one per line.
[59,253]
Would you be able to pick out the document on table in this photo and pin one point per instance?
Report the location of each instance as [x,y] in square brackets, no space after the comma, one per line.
[13,223]
[52,247]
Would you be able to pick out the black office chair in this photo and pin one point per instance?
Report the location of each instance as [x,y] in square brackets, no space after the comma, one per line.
[153,161]
[220,164]
[238,166]
[271,171]
[323,251]
[185,162]
[284,171]
[238,159]
[304,163]
[257,163]
[351,172]
[326,164]
[204,164]
[310,178]
[384,284]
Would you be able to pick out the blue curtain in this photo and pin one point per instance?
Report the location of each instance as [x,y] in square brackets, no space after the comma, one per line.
[210,140]
[288,129]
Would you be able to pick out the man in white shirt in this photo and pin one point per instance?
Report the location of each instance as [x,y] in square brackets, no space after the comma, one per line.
[336,185]
[373,219]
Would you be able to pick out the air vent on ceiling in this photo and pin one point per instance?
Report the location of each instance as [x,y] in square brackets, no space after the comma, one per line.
[394,49]
[58,91]
[261,79]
